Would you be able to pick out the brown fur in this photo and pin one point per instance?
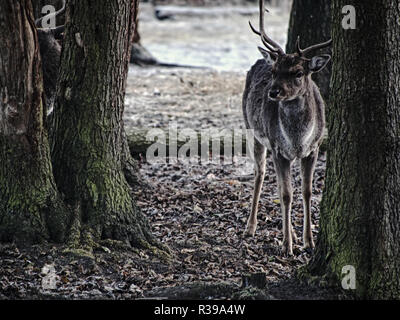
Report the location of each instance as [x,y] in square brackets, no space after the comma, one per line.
[291,124]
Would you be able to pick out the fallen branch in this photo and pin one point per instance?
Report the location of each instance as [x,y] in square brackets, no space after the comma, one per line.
[140,140]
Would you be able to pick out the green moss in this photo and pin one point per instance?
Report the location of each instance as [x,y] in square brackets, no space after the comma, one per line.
[74,233]
[163,253]
[114,244]
[93,192]
[79,252]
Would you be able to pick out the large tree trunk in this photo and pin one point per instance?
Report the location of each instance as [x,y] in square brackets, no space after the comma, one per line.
[30,205]
[360,210]
[310,20]
[89,146]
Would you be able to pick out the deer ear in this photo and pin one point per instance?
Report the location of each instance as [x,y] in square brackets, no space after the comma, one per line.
[317,63]
[268,56]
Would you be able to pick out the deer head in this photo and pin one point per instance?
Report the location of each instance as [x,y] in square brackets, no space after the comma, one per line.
[290,72]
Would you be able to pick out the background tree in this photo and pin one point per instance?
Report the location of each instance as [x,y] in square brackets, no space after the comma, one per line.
[89,147]
[31,209]
[360,209]
[311,20]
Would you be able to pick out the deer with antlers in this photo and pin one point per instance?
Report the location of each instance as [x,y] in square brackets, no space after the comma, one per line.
[284,107]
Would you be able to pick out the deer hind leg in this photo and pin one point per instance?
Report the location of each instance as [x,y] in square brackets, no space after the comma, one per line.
[307,173]
[259,158]
[282,168]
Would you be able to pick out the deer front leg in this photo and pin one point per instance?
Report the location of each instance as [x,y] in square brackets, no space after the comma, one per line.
[307,173]
[282,168]
[259,158]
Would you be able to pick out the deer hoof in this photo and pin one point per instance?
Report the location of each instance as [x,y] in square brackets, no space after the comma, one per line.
[294,236]
[308,244]
[287,249]
[250,230]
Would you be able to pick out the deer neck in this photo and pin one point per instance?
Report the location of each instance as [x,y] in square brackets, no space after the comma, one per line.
[297,121]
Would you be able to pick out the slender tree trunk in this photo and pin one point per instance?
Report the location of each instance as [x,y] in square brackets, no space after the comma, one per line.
[360,209]
[89,146]
[310,20]
[139,54]
[30,205]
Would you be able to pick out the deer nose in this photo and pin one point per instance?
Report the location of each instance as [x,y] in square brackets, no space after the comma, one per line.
[274,92]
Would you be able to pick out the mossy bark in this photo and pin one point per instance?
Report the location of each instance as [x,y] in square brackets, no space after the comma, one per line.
[310,20]
[31,209]
[89,147]
[360,209]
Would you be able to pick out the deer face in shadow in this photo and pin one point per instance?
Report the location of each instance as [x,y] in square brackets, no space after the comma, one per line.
[290,73]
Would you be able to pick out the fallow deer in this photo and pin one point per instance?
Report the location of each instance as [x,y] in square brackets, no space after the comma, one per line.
[284,107]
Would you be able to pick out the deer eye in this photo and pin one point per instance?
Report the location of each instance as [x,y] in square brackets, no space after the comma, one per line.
[299,74]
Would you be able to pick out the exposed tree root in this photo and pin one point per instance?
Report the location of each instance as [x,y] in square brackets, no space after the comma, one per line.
[115,232]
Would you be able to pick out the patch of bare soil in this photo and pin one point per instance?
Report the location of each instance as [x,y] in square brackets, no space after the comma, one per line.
[198,210]
[198,99]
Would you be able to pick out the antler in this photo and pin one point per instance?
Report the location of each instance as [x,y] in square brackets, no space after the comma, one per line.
[303,52]
[267,41]
[55,14]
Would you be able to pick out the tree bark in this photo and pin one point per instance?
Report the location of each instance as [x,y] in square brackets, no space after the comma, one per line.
[30,206]
[310,20]
[360,209]
[139,54]
[89,146]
